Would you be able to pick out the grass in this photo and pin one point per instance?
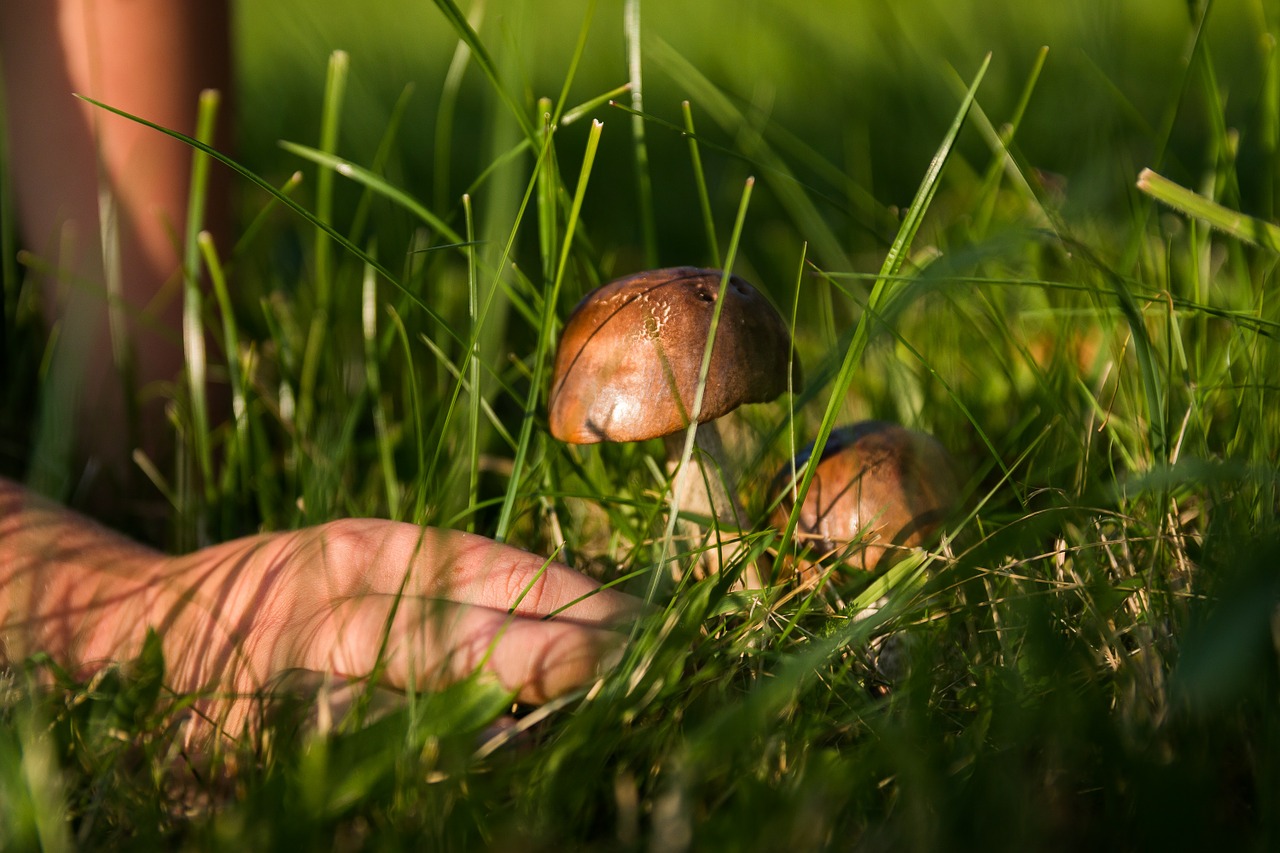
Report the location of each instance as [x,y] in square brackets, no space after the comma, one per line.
[1089,656]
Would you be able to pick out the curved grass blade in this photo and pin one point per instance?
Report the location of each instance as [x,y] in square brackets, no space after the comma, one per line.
[1241,226]
[288,202]
[882,292]
[377,184]
[544,337]
[465,32]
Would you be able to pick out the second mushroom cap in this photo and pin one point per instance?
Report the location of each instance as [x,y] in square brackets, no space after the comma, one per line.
[878,484]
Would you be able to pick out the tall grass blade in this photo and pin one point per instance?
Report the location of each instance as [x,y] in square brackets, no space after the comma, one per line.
[193,299]
[635,80]
[881,293]
[685,469]
[590,105]
[700,181]
[469,36]
[545,341]
[475,395]
[335,88]
[239,445]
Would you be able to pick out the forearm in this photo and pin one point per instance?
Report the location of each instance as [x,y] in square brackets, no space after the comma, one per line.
[68,586]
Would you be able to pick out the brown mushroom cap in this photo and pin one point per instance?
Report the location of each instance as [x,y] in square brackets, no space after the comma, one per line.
[628,363]
[886,485]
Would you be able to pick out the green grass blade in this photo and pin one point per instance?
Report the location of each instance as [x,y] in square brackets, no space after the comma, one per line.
[881,292]
[240,445]
[335,88]
[548,192]
[260,219]
[468,35]
[475,395]
[193,342]
[685,469]
[590,105]
[377,184]
[1241,226]
[700,181]
[635,80]
[545,341]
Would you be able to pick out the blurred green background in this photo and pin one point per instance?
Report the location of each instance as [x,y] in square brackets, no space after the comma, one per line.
[869,87]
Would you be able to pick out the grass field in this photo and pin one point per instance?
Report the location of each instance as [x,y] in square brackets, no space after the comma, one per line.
[1090,656]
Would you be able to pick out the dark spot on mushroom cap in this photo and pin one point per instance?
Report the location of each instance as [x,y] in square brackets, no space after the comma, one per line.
[630,354]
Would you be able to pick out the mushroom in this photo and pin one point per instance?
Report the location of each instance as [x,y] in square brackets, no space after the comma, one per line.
[629,362]
[878,486]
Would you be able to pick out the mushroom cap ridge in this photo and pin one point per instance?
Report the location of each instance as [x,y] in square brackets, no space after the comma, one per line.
[628,362]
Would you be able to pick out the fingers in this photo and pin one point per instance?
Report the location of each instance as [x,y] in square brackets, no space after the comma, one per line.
[466,568]
[431,643]
[322,598]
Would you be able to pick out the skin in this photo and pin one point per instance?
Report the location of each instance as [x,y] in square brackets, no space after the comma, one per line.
[151,58]
[235,617]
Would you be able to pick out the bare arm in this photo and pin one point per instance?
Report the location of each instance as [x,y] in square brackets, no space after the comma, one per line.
[431,605]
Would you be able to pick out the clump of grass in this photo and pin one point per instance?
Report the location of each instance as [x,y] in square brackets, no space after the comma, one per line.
[1087,657]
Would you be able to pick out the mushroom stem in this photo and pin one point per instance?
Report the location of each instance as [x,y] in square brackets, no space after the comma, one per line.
[706,488]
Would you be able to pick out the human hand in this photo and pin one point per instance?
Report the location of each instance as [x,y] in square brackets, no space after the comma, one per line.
[421,607]
[426,607]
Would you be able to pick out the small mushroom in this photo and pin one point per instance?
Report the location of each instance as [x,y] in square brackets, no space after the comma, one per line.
[628,366]
[878,485]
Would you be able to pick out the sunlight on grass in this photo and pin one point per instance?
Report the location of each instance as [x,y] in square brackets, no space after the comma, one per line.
[1086,655]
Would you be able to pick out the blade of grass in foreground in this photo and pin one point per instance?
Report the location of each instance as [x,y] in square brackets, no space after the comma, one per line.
[1239,225]
[335,87]
[700,181]
[882,291]
[474,399]
[371,181]
[543,343]
[644,187]
[238,443]
[193,298]
[683,470]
